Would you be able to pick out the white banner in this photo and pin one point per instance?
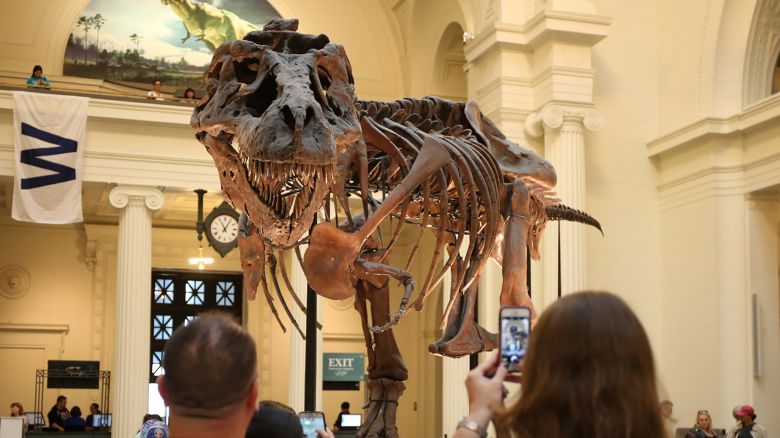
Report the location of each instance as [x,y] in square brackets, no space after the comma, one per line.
[48,147]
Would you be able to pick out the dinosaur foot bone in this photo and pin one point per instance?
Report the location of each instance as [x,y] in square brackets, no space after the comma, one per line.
[380,412]
[462,335]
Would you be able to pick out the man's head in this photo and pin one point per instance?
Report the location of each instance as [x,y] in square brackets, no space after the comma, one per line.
[157,85]
[345,407]
[94,408]
[746,414]
[62,402]
[210,369]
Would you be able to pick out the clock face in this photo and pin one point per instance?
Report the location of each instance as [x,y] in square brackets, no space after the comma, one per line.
[224,228]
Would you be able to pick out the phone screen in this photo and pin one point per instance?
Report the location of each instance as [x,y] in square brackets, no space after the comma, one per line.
[311,421]
[515,325]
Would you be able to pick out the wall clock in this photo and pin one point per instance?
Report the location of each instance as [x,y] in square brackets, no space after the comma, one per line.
[221,228]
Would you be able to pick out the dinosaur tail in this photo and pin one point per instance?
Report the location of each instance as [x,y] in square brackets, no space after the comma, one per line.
[559,212]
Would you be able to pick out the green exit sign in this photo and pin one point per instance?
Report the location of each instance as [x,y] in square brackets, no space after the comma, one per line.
[342,367]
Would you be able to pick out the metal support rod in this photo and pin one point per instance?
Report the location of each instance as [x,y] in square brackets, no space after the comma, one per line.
[559,259]
[528,270]
[199,224]
[310,374]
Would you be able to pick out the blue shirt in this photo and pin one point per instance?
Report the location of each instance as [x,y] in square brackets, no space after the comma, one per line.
[33,81]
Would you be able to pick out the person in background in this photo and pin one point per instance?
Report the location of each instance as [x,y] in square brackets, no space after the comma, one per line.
[344,410]
[94,409]
[75,423]
[733,429]
[703,427]
[156,92]
[747,427]
[670,423]
[274,420]
[18,411]
[189,95]
[58,414]
[601,382]
[38,80]
[154,428]
[210,380]
[147,417]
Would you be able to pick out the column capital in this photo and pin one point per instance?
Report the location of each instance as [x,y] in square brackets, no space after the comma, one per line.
[553,116]
[120,196]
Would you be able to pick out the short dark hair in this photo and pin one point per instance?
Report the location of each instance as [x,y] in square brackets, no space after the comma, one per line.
[75,411]
[36,68]
[94,405]
[156,81]
[61,398]
[345,405]
[274,420]
[210,365]
[148,417]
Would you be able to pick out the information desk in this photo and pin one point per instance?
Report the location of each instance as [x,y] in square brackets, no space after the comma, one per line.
[69,434]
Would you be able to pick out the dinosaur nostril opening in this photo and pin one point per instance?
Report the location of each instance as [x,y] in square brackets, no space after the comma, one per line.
[288,117]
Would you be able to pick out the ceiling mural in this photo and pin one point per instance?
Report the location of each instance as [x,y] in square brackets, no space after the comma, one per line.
[133,42]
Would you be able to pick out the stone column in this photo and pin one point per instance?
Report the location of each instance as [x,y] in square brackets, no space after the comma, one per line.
[130,382]
[563,128]
[298,345]
[454,399]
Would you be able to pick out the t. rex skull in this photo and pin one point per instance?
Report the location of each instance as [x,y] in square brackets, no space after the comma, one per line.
[287,99]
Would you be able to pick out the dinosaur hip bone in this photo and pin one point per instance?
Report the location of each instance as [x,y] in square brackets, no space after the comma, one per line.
[330,259]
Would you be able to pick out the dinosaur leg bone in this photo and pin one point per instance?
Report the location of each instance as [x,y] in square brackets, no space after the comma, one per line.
[514,290]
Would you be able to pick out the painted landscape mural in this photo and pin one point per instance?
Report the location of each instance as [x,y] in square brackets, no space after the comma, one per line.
[133,42]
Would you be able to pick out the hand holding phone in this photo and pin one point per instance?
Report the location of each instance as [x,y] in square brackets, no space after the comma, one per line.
[514,332]
[311,421]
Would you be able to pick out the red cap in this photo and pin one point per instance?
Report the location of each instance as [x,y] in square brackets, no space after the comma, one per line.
[746,410]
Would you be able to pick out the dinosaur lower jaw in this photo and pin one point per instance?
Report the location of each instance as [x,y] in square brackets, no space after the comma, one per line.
[289,195]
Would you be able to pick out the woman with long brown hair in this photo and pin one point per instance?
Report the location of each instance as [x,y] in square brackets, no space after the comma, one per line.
[589,372]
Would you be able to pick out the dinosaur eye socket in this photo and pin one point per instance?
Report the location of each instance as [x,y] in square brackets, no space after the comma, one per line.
[259,101]
[246,70]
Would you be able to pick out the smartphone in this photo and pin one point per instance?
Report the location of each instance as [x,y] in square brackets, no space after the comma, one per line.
[311,421]
[514,331]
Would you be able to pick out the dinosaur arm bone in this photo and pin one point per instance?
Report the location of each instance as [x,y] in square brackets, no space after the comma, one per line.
[365,269]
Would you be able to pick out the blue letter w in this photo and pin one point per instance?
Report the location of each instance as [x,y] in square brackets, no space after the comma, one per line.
[31,156]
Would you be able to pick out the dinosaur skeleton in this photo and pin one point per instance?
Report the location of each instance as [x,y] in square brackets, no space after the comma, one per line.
[289,138]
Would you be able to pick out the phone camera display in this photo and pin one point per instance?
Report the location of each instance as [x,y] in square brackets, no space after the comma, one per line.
[514,341]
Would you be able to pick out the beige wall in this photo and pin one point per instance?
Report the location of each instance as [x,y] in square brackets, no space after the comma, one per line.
[54,319]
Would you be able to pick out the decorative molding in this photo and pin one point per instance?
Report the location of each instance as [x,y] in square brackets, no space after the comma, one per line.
[552,70]
[348,337]
[121,196]
[124,110]
[553,116]
[705,184]
[35,328]
[543,27]
[765,110]
[14,281]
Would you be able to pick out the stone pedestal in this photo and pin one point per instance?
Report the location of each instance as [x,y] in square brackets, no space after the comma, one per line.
[130,380]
